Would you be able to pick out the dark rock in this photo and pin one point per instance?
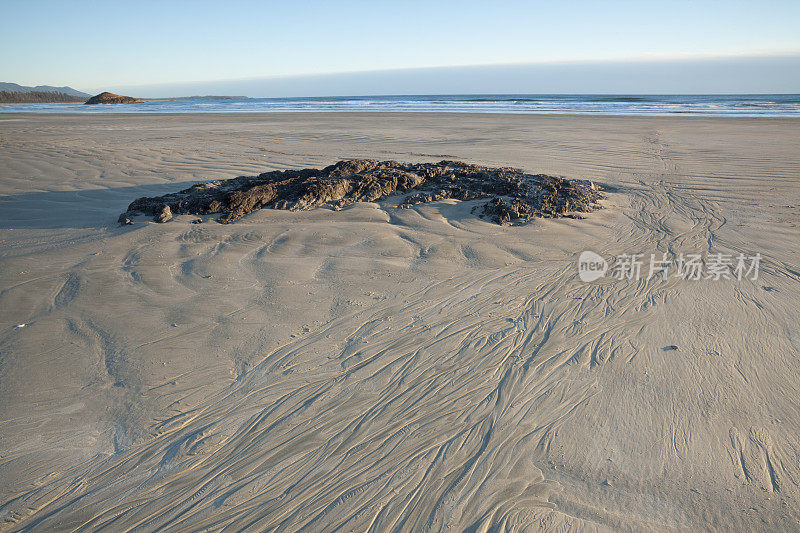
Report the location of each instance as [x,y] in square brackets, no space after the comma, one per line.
[669,348]
[513,196]
[111,98]
[196,221]
[124,220]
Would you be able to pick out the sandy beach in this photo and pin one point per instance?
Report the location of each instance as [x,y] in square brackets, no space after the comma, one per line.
[388,369]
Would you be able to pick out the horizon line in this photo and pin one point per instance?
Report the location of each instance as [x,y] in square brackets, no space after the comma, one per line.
[464,94]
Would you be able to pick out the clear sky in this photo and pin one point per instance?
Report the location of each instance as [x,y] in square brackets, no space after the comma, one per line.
[98,45]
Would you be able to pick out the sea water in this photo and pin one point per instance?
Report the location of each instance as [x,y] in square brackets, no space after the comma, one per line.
[756,105]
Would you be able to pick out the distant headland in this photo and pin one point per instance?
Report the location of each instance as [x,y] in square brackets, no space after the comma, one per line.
[13,93]
[111,98]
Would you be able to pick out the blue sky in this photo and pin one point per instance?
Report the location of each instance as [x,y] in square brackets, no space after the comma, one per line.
[124,44]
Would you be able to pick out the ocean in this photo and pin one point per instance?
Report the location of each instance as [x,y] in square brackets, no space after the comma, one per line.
[755,105]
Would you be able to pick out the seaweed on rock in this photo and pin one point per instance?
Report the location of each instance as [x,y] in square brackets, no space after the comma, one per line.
[513,196]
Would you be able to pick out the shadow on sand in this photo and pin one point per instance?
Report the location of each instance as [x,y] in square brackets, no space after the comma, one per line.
[88,208]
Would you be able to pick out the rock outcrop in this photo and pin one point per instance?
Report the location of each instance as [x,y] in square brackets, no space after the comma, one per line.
[513,196]
[111,98]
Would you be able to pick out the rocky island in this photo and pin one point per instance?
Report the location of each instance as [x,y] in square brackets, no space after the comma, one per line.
[111,98]
[513,196]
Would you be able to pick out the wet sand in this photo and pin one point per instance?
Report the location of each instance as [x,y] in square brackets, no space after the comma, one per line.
[379,368]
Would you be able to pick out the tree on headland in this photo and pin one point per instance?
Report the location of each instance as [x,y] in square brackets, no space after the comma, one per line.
[111,98]
[38,97]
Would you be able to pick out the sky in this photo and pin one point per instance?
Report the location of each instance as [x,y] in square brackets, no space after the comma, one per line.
[172,45]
